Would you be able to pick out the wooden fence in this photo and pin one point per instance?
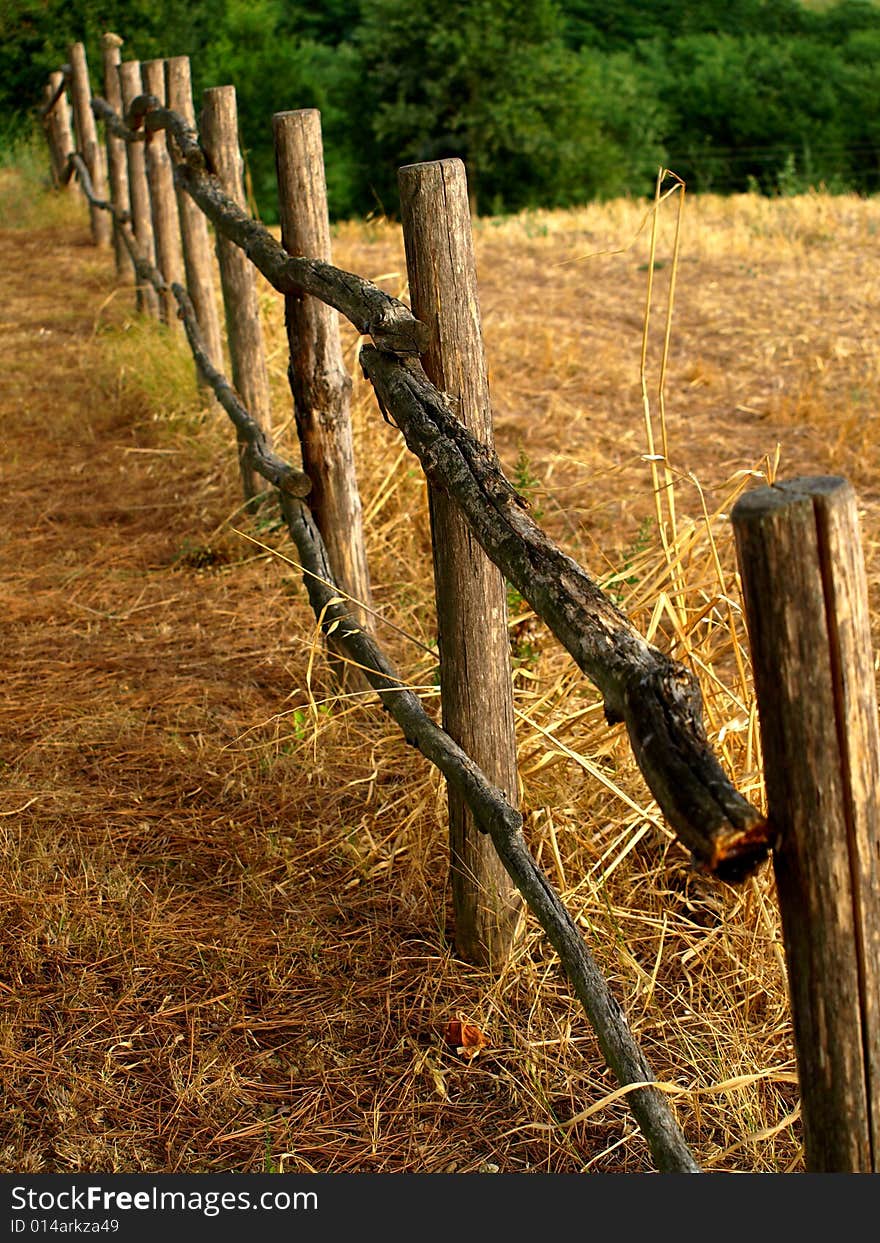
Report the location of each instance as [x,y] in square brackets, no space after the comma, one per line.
[426,367]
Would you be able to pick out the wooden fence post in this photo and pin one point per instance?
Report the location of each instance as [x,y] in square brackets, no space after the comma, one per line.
[237,279]
[197,257]
[475,671]
[166,227]
[117,171]
[806,603]
[139,192]
[87,140]
[319,381]
[59,134]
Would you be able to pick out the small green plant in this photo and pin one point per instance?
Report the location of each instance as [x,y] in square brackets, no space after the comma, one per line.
[527,483]
[788,180]
[198,556]
[624,577]
[303,723]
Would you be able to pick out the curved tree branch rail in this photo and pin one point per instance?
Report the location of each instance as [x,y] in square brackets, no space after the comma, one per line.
[492,811]
[657,698]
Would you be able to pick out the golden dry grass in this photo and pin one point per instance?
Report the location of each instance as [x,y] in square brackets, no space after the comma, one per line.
[226,931]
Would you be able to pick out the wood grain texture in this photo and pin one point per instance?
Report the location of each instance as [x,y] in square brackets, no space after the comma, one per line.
[163,200]
[319,382]
[243,330]
[806,601]
[475,671]
[197,250]
[131,87]
[87,140]
[117,167]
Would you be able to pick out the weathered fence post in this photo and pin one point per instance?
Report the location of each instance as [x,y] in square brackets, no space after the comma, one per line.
[241,304]
[197,256]
[166,227]
[59,136]
[319,381]
[475,672]
[806,603]
[117,172]
[87,140]
[139,192]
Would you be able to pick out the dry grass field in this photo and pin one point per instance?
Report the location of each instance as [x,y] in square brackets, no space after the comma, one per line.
[226,939]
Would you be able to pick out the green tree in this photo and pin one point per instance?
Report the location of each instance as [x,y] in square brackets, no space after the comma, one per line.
[493,82]
[263,51]
[35,36]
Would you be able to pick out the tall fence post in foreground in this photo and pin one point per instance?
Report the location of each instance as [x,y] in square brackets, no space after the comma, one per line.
[163,200]
[319,381]
[244,333]
[58,132]
[197,256]
[141,219]
[117,170]
[475,672]
[807,610]
[87,140]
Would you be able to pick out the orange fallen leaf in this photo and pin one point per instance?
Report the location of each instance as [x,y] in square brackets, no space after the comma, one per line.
[466,1038]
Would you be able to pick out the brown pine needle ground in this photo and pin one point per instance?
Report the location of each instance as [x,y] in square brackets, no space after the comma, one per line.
[226,930]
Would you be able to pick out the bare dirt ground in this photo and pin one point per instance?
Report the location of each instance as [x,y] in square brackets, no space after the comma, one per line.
[225,928]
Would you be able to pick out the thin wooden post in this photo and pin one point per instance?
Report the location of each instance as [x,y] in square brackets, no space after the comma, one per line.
[163,201]
[59,134]
[117,170]
[807,610]
[197,256]
[237,279]
[87,140]
[131,86]
[319,381]
[475,671]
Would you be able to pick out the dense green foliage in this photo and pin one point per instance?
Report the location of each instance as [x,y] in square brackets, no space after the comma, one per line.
[550,102]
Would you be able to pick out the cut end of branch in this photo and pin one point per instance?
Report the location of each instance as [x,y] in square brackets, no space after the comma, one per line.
[739,853]
[725,834]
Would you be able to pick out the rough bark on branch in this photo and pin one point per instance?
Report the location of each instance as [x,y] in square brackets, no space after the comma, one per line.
[657,698]
[389,323]
[76,164]
[106,113]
